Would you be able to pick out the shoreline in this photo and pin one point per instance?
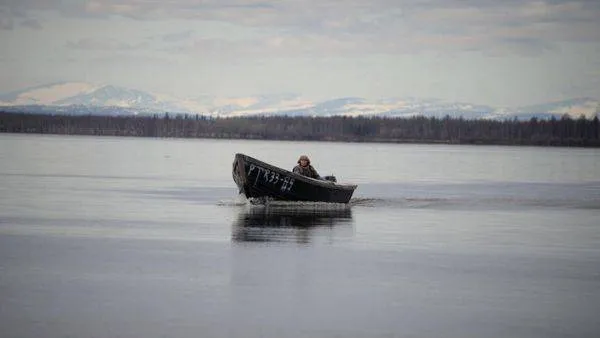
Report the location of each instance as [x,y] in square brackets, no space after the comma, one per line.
[566,132]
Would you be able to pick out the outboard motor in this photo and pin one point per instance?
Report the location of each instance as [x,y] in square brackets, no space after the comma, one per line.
[330,178]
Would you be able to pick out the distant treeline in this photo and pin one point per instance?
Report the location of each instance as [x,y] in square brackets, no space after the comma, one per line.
[553,132]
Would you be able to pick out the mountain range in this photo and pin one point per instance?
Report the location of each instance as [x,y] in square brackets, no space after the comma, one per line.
[86,98]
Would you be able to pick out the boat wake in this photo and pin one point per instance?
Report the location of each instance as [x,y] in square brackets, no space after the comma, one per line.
[417,203]
[474,203]
[290,208]
[480,195]
[474,196]
[239,201]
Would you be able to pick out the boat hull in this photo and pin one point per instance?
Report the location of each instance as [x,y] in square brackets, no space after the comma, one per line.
[257,179]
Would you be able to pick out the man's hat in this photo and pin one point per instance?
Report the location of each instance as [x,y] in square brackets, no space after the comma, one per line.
[304,157]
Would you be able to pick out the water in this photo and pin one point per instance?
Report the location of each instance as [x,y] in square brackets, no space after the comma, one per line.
[133,237]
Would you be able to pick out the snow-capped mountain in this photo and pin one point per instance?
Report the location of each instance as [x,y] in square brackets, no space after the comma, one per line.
[78,94]
[47,94]
[110,96]
[574,108]
[85,98]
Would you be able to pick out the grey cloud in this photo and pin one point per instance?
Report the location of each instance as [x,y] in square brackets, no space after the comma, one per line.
[180,36]
[385,26]
[12,14]
[124,60]
[244,12]
[70,8]
[6,23]
[526,28]
[20,8]
[527,46]
[289,45]
[6,20]
[105,44]
[31,23]
[316,13]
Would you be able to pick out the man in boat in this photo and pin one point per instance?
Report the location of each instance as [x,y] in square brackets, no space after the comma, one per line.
[304,168]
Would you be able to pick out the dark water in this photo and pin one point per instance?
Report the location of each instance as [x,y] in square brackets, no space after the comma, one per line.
[126,237]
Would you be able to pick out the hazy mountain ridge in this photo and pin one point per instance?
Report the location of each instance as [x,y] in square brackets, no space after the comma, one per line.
[85,98]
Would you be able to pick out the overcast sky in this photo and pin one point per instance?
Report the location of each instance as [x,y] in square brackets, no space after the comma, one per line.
[504,53]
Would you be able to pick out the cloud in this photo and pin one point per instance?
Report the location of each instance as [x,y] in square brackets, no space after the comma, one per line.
[31,23]
[178,36]
[11,16]
[111,8]
[275,12]
[13,8]
[6,23]
[333,27]
[6,18]
[271,46]
[103,44]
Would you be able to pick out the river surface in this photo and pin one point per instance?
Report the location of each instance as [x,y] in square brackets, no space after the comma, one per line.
[141,237]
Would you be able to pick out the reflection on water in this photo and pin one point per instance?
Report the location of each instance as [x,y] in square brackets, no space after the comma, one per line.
[292,222]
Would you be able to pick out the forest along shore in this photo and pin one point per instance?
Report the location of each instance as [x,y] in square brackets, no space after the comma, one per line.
[565,131]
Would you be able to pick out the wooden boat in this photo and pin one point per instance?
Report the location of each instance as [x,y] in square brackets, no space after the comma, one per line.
[257,179]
